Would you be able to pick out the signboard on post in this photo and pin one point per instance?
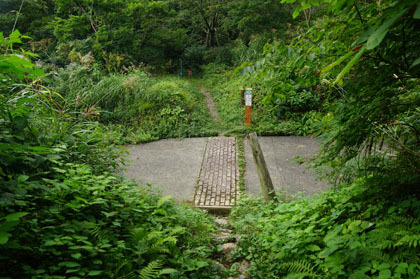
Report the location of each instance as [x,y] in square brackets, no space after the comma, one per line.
[248,97]
[248,105]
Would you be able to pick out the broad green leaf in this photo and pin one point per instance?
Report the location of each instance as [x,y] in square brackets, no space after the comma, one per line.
[336,63]
[167,271]
[296,12]
[328,251]
[76,255]
[339,4]
[364,36]
[4,237]
[3,41]
[163,200]
[417,13]
[22,178]
[15,216]
[314,2]
[385,274]
[306,6]
[401,268]
[416,62]
[313,248]
[28,53]
[349,65]
[72,270]
[69,264]
[15,37]
[52,243]
[377,37]
[94,272]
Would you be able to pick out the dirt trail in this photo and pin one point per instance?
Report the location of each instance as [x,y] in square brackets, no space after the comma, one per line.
[210,104]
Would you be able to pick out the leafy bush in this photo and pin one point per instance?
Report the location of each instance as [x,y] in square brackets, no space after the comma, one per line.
[357,232]
[79,224]
[62,213]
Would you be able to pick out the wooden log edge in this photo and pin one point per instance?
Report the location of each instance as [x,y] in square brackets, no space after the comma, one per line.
[261,166]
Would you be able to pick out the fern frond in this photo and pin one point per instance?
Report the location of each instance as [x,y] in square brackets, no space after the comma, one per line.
[151,271]
[99,233]
[158,250]
[377,254]
[137,235]
[124,271]
[385,244]
[410,240]
[154,234]
[169,239]
[300,269]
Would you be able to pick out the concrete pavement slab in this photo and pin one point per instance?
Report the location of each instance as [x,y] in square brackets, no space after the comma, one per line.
[285,172]
[170,165]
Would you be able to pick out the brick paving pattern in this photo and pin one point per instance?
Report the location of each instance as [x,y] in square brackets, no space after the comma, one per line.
[219,175]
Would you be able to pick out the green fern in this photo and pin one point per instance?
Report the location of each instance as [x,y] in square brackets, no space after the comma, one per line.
[124,271]
[100,233]
[410,240]
[377,254]
[151,271]
[138,234]
[300,269]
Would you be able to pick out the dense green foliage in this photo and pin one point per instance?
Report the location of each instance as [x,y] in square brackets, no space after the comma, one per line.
[346,71]
[64,211]
[145,108]
[121,33]
[357,232]
[353,79]
[79,224]
[366,111]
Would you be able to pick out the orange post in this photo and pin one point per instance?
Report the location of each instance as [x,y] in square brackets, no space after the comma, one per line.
[248,105]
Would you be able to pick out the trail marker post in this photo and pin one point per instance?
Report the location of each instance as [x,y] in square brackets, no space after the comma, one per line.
[248,105]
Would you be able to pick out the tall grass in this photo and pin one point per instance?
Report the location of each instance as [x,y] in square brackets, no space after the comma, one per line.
[145,108]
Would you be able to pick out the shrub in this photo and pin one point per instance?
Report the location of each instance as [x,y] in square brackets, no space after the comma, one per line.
[357,232]
[79,224]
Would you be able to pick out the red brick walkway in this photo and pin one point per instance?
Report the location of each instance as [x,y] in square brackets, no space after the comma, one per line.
[219,175]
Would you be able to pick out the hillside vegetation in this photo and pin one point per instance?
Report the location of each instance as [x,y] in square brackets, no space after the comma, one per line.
[81,78]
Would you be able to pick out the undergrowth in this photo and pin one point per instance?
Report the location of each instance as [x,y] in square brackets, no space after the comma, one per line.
[79,224]
[137,106]
[225,86]
[356,232]
[64,210]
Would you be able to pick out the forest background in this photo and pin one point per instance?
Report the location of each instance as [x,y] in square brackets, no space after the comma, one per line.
[81,77]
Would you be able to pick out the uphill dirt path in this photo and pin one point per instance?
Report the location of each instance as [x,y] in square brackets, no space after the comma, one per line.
[210,104]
